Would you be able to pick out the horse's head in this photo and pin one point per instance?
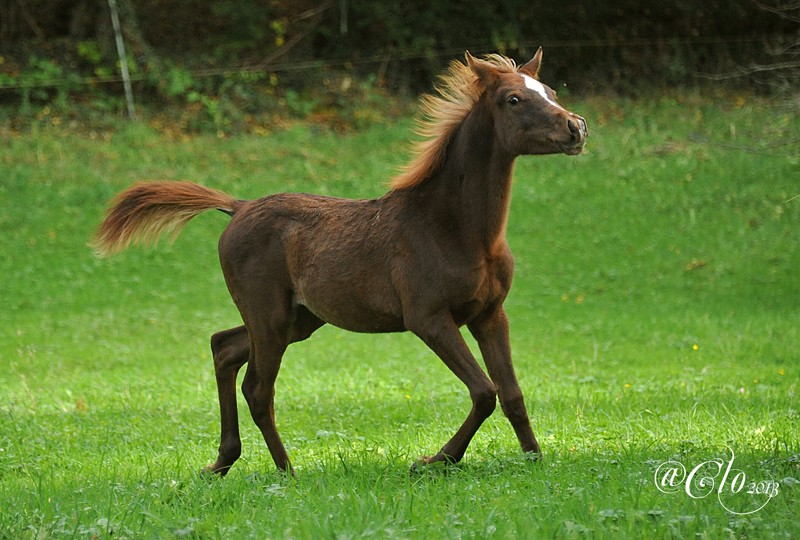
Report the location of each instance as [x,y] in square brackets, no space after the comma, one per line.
[527,117]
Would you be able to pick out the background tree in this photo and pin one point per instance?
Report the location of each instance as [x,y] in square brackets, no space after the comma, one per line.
[236,53]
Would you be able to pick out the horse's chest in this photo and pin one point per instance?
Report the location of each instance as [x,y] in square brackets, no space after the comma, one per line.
[487,286]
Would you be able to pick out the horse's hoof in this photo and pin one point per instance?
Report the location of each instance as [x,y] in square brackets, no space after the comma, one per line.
[534,456]
[430,464]
[419,465]
[215,471]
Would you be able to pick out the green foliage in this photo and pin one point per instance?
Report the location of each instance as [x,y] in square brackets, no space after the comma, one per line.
[217,62]
[626,46]
[248,24]
[42,80]
[178,81]
[654,317]
[301,106]
[90,51]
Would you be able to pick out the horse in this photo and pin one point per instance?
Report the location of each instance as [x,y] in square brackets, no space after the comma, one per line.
[429,256]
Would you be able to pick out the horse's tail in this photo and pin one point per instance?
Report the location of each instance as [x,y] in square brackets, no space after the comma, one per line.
[144,211]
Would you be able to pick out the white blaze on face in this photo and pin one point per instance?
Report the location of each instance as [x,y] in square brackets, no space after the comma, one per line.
[538,87]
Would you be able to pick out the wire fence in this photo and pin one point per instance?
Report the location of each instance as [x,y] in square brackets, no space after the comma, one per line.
[687,42]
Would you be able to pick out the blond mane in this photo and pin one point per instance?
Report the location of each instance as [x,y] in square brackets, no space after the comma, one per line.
[439,116]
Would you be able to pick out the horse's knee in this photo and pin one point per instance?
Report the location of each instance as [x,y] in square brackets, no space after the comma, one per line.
[259,396]
[484,401]
[249,390]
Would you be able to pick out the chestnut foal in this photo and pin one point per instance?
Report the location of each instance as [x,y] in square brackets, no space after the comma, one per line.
[429,256]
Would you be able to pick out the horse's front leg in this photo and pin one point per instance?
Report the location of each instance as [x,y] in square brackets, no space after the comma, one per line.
[491,333]
[231,349]
[441,334]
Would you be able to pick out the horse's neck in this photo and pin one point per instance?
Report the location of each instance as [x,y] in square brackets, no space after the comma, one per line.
[471,191]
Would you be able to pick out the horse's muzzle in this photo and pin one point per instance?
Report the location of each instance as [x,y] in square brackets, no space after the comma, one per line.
[578,132]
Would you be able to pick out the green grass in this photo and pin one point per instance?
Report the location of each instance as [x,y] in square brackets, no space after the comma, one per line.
[655,316]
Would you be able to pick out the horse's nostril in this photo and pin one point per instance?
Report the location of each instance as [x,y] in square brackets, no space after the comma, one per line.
[577,128]
[574,128]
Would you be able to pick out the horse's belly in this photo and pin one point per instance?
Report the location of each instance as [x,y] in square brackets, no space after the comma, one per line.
[354,305]
[355,318]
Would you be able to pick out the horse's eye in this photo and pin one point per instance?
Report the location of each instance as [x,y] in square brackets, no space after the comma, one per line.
[513,100]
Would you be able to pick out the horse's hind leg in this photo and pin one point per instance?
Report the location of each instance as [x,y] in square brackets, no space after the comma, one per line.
[270,334]
[267,347]
[231,349]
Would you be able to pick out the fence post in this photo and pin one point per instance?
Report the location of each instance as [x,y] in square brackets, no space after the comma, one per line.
[123,59]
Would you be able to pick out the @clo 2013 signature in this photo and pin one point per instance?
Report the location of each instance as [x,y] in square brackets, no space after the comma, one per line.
[734,488]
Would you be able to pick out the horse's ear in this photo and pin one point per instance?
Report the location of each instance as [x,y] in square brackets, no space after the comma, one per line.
[483,70]
[532,67]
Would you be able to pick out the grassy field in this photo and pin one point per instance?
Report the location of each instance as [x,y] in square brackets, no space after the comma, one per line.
[655,319]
